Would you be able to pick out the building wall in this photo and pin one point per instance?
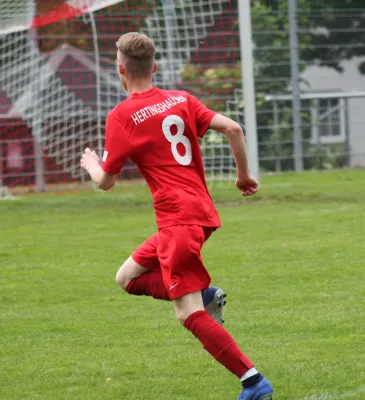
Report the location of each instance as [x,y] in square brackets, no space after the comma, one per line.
[325,79]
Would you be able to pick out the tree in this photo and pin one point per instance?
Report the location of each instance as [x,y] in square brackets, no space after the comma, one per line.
[336,29]
[215,84]
[330,31]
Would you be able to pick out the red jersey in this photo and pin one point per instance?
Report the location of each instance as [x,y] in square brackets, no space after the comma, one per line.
[159,130]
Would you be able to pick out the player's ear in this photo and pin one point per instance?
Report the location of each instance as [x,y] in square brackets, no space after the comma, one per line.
[154,68]
[121,68]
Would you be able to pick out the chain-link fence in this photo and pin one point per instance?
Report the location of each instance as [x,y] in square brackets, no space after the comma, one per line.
[331,64]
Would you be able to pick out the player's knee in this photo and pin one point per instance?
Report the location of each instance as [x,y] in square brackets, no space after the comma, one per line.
[188,305]
[122,279]
[181,316]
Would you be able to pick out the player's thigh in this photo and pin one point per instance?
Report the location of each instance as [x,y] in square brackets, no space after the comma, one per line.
[179,253]
[143,260]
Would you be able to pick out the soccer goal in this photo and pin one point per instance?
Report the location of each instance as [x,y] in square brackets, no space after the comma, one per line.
[58,79]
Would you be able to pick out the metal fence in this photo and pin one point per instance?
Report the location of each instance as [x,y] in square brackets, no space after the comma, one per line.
[324,126]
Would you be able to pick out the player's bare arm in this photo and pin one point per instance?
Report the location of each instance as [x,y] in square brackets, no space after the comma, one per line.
[245,182]
[90,162]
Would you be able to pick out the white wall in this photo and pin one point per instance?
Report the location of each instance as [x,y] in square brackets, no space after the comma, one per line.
[323,79]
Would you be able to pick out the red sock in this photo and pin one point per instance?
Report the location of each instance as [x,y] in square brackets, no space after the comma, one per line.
[149,284]
[218,342]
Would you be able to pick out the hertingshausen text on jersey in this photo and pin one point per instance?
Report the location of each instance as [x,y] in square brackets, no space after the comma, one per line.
[147,112]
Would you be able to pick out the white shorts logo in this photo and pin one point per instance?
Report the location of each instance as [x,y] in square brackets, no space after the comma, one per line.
[175,284]
[105,155]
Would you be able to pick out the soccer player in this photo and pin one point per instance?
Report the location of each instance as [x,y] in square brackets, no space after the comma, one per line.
[159,131]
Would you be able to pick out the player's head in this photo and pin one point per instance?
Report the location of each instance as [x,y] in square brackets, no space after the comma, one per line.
[136,57]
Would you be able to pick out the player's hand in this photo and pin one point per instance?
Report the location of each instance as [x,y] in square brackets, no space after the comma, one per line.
[248,185]
[89,159]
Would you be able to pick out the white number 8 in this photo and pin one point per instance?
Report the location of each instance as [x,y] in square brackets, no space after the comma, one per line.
[178,138]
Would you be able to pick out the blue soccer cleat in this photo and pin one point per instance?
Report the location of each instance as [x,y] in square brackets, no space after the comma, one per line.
[261,391]
[214,300]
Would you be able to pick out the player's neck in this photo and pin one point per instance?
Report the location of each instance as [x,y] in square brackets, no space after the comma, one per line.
[139,86]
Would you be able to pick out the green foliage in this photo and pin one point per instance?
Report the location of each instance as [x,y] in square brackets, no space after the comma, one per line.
[328,46]
[336,30]
[328,157]
[217,84]
[212,80]
[271,38]
[343,36]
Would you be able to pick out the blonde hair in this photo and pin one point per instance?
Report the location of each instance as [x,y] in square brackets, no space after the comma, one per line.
[138,52]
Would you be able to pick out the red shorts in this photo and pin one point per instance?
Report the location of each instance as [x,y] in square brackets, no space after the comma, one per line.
[176,251]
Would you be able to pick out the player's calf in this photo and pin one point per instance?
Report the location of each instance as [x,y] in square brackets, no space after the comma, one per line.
[219,343]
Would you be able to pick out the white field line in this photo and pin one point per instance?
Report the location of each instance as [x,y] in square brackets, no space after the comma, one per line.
[336,396]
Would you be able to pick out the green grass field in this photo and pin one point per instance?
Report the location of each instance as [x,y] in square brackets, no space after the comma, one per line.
[291,261]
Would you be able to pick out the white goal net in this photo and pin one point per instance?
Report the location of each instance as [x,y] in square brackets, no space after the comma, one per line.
[58,78]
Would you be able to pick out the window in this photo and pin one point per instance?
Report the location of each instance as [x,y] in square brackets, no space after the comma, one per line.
[328,121]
